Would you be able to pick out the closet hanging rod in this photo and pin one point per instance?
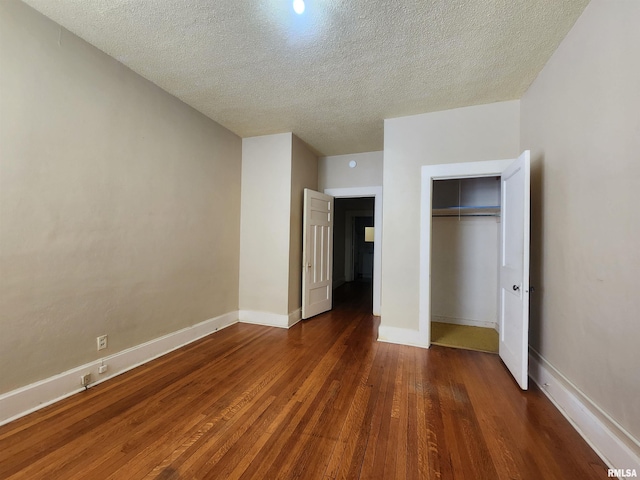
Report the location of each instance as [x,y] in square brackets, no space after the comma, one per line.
[480,211]
[441,215]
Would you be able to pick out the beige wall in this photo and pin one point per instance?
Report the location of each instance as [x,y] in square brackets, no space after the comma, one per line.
[266,204]
[334,171]
[464,270]
[119,205]
[485,132]
[580,119]
[275,171]
[304,174]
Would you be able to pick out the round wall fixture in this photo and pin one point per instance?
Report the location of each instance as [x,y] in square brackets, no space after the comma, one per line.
[352,164]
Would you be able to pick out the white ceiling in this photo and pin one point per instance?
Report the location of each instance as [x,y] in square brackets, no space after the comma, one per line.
[333,74]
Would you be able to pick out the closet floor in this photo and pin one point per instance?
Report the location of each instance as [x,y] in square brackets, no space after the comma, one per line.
[464,336]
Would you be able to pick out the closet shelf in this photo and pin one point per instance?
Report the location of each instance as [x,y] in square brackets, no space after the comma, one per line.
[479,211]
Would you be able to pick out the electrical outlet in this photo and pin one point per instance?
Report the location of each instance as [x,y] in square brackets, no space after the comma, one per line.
[102,369]
[102,342]
[85,379]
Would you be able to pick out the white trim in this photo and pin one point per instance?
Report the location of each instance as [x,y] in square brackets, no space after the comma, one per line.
[375,192]
[400,336]
[615,446]
[429,174]
[270,319]
[28,399]
[464,321]
[295,317]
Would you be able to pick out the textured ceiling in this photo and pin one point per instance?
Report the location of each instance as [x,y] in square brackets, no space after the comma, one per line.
[333,74]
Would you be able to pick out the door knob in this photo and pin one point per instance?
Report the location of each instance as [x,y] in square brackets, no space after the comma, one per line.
[516,288]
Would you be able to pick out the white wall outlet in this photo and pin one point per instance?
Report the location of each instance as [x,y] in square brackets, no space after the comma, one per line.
[102,342]
[102,369]
[85,379]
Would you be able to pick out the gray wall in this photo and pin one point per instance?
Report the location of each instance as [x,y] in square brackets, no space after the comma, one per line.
[119,204]
[580,119]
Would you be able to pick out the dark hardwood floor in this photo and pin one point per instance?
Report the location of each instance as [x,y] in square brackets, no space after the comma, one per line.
[321,400]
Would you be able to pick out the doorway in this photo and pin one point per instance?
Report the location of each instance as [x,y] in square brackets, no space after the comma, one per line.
[513,287]
[465,229]
[353,216]
[370,194]
[353,251]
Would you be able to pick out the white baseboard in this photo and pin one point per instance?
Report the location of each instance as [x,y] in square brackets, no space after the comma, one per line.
[295,317]
[464,321]
[27,399]
[270,319]
[617,448]
[401,336]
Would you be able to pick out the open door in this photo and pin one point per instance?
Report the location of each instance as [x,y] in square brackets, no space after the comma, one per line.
[514,269]
[317,253]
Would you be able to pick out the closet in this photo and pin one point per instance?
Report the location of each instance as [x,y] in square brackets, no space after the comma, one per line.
[465,245]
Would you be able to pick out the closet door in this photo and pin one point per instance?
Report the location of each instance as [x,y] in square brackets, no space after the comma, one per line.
[514,269]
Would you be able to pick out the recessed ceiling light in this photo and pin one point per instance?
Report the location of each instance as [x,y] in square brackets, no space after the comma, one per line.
[298,6]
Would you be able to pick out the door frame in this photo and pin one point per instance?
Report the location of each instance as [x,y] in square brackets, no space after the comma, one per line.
[376,193]
[429,174]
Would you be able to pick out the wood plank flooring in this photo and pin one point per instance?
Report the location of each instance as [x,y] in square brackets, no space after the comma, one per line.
[322,400]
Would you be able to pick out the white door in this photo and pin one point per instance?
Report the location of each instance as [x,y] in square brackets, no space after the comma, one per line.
[514,269]
[317,253]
